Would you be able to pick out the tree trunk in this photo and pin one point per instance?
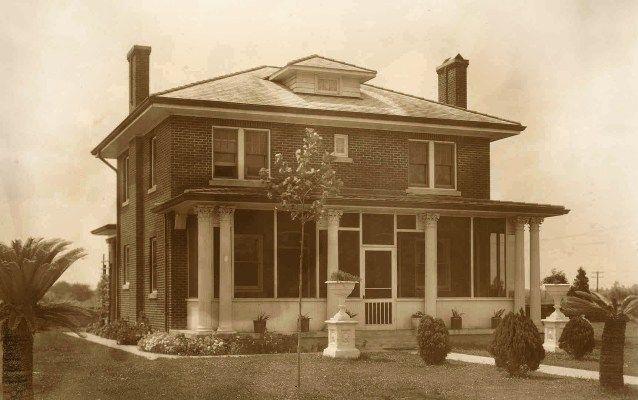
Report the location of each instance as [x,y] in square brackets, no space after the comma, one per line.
[611,354]
[17,365]
[300,296]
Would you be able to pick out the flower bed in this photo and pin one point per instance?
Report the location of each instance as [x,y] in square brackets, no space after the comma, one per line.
[180,344]
[121,330]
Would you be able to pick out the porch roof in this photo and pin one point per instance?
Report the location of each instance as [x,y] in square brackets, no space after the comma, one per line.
[366,198]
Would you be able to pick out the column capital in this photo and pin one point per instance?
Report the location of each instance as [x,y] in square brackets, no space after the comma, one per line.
[520,222]
[205,210]
[225,213]
[428,219]
[333,216]
[535,223]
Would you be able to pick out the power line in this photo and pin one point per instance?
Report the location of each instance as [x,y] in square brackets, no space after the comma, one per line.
[598,274]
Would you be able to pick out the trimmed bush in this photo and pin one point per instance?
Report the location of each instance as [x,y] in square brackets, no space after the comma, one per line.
[433,340]
[577,338]
[517,346]
[121,330]
[210,345]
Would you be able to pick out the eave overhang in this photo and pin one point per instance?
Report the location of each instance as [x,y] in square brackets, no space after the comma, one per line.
[105,230]
[155,109]
[446,205]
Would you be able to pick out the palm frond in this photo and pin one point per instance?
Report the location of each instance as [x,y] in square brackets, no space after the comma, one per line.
[65,315]
[576,306]
[594,297]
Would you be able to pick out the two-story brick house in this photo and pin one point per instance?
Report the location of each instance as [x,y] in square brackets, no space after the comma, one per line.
[200,247]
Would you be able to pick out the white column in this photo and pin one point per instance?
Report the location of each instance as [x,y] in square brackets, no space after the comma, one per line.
[225,269]
[430,223]
[535,271]
[519,262]
[333,217]
[205,271]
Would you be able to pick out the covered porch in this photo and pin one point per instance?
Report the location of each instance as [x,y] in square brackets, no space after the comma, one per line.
[411,253]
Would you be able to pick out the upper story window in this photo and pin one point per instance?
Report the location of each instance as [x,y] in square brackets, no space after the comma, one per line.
[327,85]
[152,181]
[225,153]
[239,153]
[125,262]
[341,145]
[432,164]
[125,172]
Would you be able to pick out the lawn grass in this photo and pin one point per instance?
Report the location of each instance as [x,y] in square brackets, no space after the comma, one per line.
[71,368]
[477,345]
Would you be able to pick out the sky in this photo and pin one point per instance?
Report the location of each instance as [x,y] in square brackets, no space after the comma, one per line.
[566,70]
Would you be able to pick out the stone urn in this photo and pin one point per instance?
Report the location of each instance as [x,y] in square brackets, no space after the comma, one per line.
[337,293]
[555,323]
[341,336]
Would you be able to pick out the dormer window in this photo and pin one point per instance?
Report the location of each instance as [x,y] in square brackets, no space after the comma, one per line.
[327,85]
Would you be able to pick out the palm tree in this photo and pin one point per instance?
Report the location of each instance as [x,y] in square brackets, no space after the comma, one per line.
[27,270]
[615,313]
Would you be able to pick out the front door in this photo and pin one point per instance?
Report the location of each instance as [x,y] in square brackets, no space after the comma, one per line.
[379,288]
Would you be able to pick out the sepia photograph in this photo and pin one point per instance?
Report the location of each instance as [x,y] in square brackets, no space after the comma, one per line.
[318,199]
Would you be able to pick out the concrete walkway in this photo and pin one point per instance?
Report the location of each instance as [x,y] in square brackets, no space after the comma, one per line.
[546,369]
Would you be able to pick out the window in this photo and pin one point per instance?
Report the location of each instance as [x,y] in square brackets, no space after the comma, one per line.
[152,162]
[125,168]
[225,153]
[327,85]
[125,263]
[248,263]
[418,158]
[256,152]
[288,238]
[153,263]
[432,164]
[444,165]
[239,153]
[341,146]
[378,228]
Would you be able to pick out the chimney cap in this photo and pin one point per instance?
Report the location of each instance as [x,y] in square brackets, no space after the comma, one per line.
[453,60]
[138,49]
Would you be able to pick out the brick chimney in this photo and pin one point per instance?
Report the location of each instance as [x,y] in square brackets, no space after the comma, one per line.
[138,75]
[453,81]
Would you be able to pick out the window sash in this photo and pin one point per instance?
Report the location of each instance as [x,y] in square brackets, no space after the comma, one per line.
[225,148]
[125,173]
[444,165]
[418,170]
[152,161]
[253,260]
[153,263]
[255,152]
[341,145]
[125,263]
[328,85]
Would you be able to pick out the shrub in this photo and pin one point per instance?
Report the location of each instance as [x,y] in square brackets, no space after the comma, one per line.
[556,276]
[517,346]
[433,340]
[210,345]
[340,275]
[121,330]
[577,338]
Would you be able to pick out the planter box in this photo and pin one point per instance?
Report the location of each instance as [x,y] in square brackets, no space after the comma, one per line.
[456,323]
[304,324]
[259,326]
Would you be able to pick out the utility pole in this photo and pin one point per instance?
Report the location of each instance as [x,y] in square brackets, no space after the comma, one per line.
[598,274]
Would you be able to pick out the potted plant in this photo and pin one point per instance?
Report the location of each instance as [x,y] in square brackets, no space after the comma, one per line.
[456,322]
[340,285]
[304,322]
[416,319]
[259,324]
[497,318]
[351,314]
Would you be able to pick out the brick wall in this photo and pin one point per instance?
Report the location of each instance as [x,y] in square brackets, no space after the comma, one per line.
[184,148]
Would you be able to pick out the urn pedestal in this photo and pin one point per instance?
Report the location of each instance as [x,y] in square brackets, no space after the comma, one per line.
[555,323]
[341,336]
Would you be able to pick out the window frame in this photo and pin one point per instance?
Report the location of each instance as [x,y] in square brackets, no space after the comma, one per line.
[125,263]
[125,182]
[267,155]
[431,166]
[260,263]
[428,168]
[334,150]
[152,159]
[153,271]
[241,152]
